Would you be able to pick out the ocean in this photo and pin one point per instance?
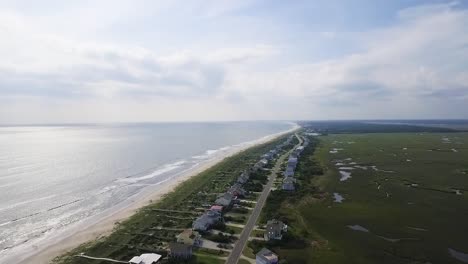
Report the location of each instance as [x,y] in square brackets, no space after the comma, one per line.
[55,176]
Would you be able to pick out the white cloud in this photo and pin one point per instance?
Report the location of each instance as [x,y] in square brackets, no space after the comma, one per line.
[415,68]
[33,60]
[420,60]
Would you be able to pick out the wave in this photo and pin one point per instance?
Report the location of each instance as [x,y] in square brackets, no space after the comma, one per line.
[19,218]
[9,185]
[40,212]
[210,153]
[162,170]
[65,204]
[26,202]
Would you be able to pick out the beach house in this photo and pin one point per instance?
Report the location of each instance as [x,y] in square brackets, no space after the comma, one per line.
[150,258]
[270,154]
[289,172]
[297,152]
[265,256]
[205,221]
[288,184]
[292,162]
[237,190]
[189,237]
[258,166]
[275,229]
[180,251]
[244,177]
[225,200]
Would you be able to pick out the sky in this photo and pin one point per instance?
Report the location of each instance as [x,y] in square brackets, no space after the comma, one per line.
[223,60]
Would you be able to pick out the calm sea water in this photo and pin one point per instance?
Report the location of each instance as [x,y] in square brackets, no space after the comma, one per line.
[53,176]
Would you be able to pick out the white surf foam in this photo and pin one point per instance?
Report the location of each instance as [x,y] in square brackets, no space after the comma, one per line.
[164,169]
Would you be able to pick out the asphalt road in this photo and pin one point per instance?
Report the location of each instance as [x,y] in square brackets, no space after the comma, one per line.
[244,237]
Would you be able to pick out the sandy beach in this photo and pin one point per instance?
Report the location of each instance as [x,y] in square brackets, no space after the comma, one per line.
[53,245]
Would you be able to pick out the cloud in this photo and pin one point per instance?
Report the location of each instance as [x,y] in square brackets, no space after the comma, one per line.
[216,8]
[39,63]
[415,67]
[423,53]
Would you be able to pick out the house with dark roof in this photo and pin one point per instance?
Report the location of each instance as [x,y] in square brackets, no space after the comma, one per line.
[180,251]
[237,190]
[292,161]
[258,166]
[275,230]
[206,220]
[289,172]
[270,154]
[288,184]
[265,256]
[225,200]
[244,177]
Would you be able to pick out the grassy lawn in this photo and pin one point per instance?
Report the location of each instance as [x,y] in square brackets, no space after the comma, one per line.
[243,261]
[212,252]
[235,229]
[257,233]
[207,259]
[248,252]
[407,201]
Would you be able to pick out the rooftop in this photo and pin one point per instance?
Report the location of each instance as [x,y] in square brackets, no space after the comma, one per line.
[216,208]
[267,254]
[150,258]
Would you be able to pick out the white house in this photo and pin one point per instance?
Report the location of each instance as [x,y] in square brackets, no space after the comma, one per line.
[150,258]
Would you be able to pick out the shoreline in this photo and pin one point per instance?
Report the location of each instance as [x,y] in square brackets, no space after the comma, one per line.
[103,224]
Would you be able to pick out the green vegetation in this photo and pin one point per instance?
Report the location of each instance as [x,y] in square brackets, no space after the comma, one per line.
[219,238]
[240,210]
[236,219]
[344,127]
[408,202]
[417,196]
[233,230]
[206,259]
[248,252]
[257,233]
[243,261]
[147,230]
